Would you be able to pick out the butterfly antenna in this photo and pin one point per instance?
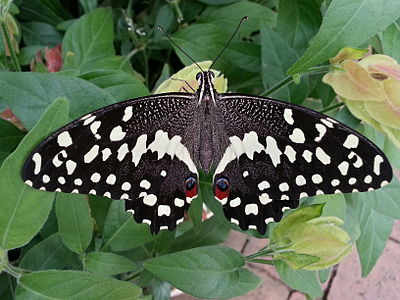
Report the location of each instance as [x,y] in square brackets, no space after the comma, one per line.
[173,43]
[227,44]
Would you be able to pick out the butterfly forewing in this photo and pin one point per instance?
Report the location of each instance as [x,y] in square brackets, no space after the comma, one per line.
[137,150]
[280,152]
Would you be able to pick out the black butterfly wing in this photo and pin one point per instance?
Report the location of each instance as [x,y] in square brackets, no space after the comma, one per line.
[138,150]
[280,152]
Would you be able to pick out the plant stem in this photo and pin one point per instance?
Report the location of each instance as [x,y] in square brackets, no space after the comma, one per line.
[287,80]
[262,261]
[332,107]
[10,47]
[175,4]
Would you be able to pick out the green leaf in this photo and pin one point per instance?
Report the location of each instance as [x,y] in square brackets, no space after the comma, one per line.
[29,94]
[24,210]
[10,136]
[120,230]
[324,275]
[298,21]
[99,207]
[203,41]
[38,33]
[347,23]
[121,85]
[206,272]
[47,11]
[108,263]
[90,39]
[390,39]
[335,206]
[301,280]
[196,213]
[212,232]
[50,253]
[228,17]
[6,282]
[74,221]
[218,2]
[73,285]
[274,66]
[247,282]
[375,231]
[384,200]
[244,55]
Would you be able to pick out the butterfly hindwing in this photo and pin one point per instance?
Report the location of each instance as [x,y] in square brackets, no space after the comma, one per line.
[280,152]
[137,150]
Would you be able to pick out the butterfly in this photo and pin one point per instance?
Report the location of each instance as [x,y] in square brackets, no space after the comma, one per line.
[265,154]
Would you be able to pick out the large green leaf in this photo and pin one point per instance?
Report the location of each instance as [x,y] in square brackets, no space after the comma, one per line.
[390,39]
[301,280]
[375,231]
[99,207]
[347,23]
[74,221]
[120,230]
[206,272]
[275,65]
[121,85]
[50,253]
[10,136]
[228,16]
[108,263]
[90,40]
[47,11]
[38,33]
[24,209]
[73,285]
[212,232]
[29,94]
[298,21]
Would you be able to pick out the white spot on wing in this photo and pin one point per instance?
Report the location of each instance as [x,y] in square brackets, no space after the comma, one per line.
[368,179]
[37,159]
[70,165]
[303,194]
[88,120]
[64,139]
[117,134]
[343,168]
[163,173]
[126,186]
[139,149]
[95,177]
[358,163]
[122,151]
[235,202]
[91,155]
[28,182]
[251,208]
[179,202]
[94,127]
[269,220]
[290,153]
[264,199]
[263,185]
[283,187]
[377,164]
[127,114]
[273,151]
[300,180]
[78,181]
[327,123]
[297,136]
[316,178]
[307,155]
[106,152]
[245,174]
[163,210]
[288,116]
[111,179]
[321,131]
[45,178]
[322,156]
[351,141]
[145,184]
[150,200]
[335,182]
[228,156]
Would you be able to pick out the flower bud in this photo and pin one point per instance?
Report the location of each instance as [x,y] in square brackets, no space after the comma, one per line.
[370,88]
[176,82]
[306,240]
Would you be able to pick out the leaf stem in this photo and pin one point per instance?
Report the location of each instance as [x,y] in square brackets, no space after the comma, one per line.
[175,4]
[7,38]
[332,107]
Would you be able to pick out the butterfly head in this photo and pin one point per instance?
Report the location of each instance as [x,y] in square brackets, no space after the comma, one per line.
[206,86]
